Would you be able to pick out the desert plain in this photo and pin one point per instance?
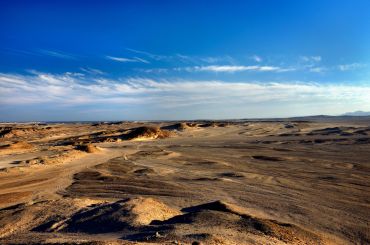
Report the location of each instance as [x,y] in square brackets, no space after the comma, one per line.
[286,181]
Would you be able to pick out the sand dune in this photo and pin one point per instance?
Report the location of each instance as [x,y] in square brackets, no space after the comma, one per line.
[89,148]
[145,132]
[15,147]
[180,126]
[127,214]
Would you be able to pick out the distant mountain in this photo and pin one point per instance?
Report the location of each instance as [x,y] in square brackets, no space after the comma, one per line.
[357,113]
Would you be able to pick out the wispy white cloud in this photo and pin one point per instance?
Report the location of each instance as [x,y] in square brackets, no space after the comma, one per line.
[318,69]
[257,58]
[311,58]
[230,69]
[353,66]
[344,67]
[141,60]
[183,58]
[220,69]
[150,55]
[212,60]
[92,71]
[155,70]
[200,60]
[57,54]
[120,59]
[123,59]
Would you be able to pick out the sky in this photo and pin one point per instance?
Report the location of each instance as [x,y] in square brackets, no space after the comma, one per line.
[169,60]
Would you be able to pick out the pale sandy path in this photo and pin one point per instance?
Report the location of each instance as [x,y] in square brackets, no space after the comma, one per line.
[43,182]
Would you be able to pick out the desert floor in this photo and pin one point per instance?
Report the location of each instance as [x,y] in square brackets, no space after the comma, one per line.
[200,182]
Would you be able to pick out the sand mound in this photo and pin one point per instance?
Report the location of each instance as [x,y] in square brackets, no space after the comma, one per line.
[214,124]
[289,125]
[63,157]
[180,126]
[16,147]
[112,217]
[146,133]
[144,210]
[222,125]
[89,148]
[25,216]
[217,206]
[9,132]
[208,125]
[216,220]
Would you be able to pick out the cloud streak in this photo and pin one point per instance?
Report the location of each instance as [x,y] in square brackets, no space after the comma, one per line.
[349,67]
[92,71]
[125,60]
[318,69]
[57,54]
[312,59]
[186,59]
[150,55]
[257,58]
[231,69]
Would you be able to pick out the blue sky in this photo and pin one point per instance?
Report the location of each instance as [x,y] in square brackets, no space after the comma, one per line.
[139,60]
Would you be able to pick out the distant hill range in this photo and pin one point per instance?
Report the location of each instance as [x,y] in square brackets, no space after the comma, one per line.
[357,113]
